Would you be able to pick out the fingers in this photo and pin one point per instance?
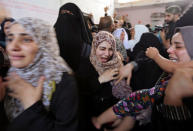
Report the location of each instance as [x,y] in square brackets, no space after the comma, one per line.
[128,80]
[40,84]
[120,78]
[116,70]
[115,77]
[95,123]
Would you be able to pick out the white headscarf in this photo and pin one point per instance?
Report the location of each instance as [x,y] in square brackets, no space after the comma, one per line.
[117,34]
[139,30]
[47,62]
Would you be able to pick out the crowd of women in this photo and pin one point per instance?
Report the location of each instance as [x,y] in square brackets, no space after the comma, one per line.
[65,78]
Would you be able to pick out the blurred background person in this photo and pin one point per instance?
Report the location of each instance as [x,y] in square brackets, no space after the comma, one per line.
[4,30]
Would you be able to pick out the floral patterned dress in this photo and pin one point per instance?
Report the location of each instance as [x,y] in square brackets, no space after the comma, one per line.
[142,99]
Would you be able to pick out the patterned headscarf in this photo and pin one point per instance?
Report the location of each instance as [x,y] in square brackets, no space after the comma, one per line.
[47,62]
[120,90]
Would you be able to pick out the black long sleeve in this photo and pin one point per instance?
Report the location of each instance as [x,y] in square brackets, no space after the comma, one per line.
[61,115]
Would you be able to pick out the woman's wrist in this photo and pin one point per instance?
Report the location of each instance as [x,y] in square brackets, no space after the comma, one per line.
[156,58]
[134,65]
[100,79]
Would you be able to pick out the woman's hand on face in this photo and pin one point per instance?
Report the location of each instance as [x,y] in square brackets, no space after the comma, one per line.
[2,89]
[109,75]
[152,52]
[24,91]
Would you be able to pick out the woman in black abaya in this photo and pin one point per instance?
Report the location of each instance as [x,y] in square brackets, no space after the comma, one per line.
[72,32]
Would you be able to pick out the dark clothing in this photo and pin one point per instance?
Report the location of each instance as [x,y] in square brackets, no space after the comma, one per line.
[170,31]
[148,71]
[68,33]
[188,102]
[186,19]
[61,115]
[3,118]
[75,10]
[72,32]
[95,98]
[170,118]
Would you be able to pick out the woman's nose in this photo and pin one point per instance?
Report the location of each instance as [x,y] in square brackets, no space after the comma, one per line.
[14,45]
[171,49]
[107,53]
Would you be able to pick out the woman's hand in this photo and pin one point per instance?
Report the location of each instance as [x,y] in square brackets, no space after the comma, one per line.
[125,71]
[2,89]
[109,75]
[24,91]
[152,52]
[179,86]
[122,36]
[96,123]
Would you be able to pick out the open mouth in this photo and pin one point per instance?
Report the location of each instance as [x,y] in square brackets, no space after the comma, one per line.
[173,59]
[104,59]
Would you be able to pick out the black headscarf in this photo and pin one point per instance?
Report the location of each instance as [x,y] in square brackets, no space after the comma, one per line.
[72,31]
[187,34]
[186,19]
[2,32]
[148,72]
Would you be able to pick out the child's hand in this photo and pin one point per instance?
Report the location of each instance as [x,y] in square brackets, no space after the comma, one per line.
[152,52]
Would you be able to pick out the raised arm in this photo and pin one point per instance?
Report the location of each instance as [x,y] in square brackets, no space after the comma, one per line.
[166,64]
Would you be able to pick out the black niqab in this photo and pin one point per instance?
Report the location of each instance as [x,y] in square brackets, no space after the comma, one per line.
[149,72]
[72,31]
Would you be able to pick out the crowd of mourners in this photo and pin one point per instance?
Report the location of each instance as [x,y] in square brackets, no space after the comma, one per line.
[114,76]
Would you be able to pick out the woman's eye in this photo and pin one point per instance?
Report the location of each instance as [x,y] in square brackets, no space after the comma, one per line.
[27,40]
[102,48]
[179,47]
[9,40]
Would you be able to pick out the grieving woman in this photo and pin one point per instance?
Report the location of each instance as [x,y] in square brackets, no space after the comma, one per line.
[42,92]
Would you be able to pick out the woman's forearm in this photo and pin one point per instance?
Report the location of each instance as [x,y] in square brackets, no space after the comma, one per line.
[166,64]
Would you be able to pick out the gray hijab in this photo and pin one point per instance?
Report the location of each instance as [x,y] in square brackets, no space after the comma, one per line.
[47,62]
[187,34]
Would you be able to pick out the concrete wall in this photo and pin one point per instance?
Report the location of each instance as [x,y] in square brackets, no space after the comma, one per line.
[48,9]
[140,14]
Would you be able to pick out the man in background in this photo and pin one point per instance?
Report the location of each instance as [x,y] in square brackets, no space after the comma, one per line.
[172,14]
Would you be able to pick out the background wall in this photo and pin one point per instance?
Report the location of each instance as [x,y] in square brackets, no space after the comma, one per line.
[96,7]
[44,9]
[48,9]
[140,14]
